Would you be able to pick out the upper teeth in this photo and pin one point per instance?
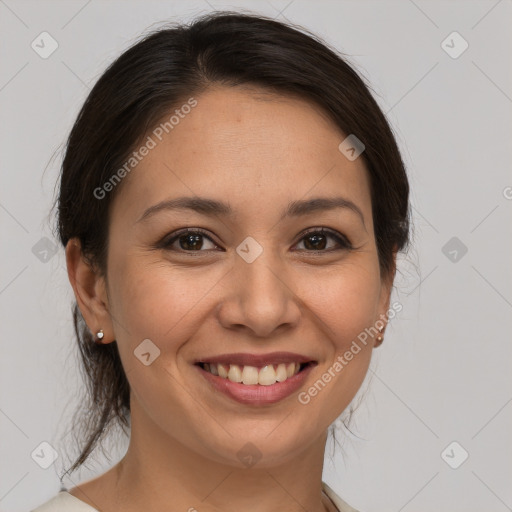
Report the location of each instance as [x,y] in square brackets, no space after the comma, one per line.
[265,376]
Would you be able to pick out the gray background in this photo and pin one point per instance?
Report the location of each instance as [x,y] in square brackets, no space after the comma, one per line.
[443,373]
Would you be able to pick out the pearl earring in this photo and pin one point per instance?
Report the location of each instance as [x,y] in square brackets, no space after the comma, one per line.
[379,338]
[99,335]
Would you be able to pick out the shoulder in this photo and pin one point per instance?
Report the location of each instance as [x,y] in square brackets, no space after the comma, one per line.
[64,502]
[340,504]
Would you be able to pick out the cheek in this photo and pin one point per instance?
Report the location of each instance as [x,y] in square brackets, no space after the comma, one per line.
[156,301]
[345,304]
[151,299]
[345,298]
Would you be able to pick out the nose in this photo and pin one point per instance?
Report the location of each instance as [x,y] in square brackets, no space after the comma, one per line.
[259,298]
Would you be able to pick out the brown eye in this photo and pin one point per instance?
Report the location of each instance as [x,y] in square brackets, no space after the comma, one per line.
[189,241]
[318,240]
[315,242]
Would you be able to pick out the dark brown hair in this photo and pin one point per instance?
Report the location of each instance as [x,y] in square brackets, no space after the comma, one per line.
[158,74]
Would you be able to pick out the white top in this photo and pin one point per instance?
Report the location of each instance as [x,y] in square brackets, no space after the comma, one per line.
[65,502]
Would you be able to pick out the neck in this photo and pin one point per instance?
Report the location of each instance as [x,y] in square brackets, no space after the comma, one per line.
[160,473]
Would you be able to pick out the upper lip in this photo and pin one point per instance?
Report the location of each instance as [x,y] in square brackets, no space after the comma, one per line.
[244,359]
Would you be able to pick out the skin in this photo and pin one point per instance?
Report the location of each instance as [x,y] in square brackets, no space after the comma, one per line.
[258,152]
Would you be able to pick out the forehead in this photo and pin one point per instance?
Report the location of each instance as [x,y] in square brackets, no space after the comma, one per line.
[249,144]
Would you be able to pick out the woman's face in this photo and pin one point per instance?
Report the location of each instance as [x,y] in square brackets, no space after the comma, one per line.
[257,280]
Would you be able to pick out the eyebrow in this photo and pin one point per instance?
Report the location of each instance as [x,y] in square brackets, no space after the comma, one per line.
[213,207]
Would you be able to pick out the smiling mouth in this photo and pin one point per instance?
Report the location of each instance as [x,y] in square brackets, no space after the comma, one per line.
[266,375]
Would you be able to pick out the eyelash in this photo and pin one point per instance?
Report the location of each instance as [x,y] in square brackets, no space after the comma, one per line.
[342,240]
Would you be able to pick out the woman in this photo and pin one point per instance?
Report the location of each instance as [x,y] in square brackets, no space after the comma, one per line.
[232,202]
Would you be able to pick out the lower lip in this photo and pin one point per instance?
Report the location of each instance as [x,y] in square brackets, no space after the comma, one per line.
[257,394]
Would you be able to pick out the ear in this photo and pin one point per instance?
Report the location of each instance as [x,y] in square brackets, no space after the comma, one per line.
[90,291]
[386,289]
